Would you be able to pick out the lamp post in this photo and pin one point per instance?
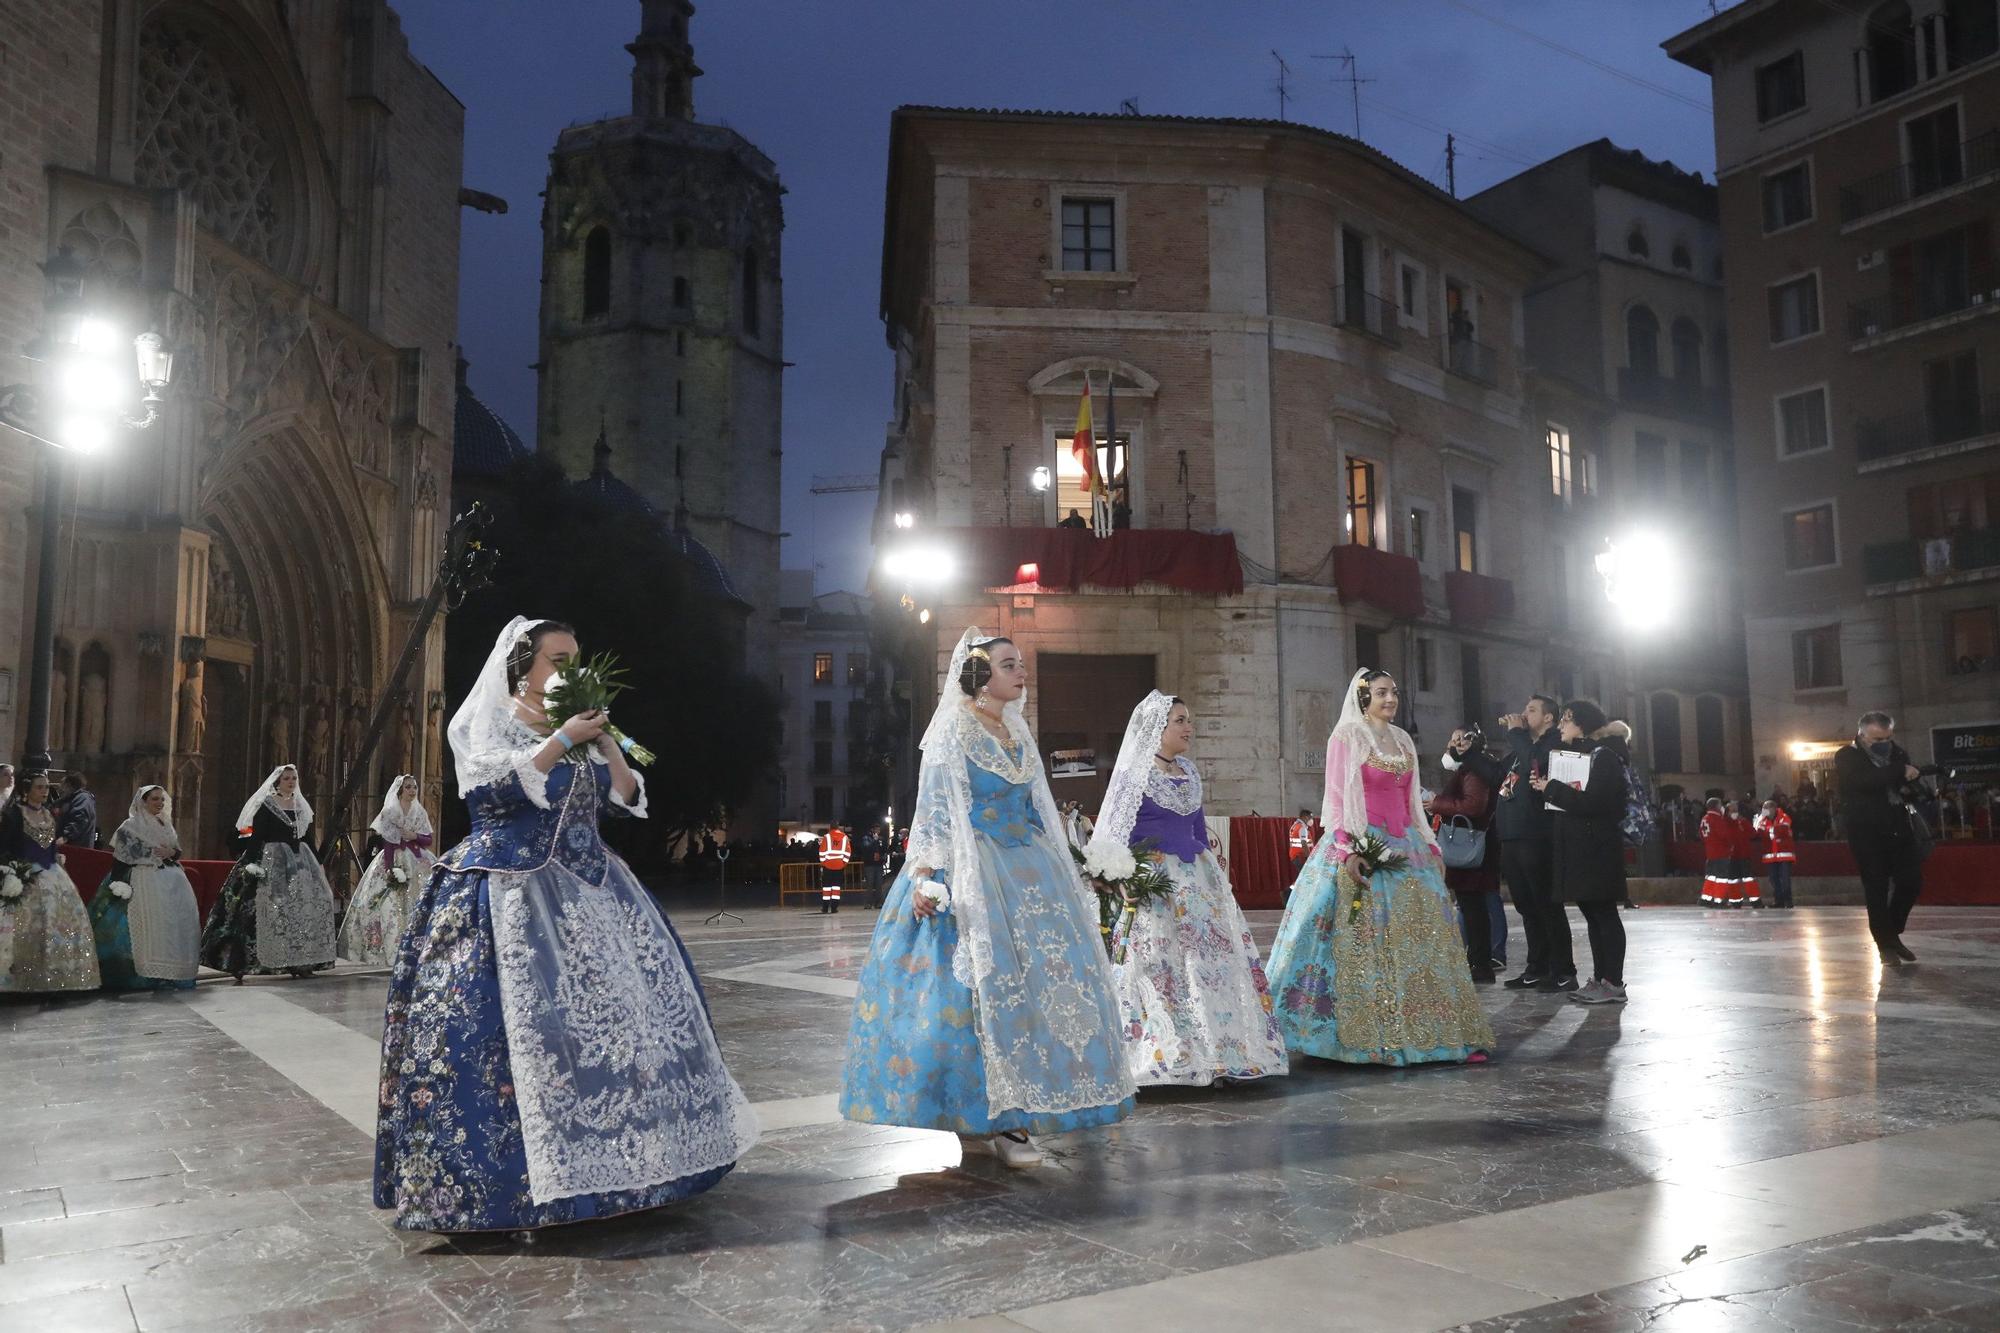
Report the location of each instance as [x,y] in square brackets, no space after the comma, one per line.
[85,355]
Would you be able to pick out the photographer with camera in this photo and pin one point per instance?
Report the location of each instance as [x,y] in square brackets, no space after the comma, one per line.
[1877,784]
[1473,880]
[1526,861]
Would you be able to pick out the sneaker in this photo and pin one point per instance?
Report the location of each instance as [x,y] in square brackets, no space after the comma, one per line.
[1583,994]
[1600,992]
[1556,985]
[1017,1150]
[1526,981]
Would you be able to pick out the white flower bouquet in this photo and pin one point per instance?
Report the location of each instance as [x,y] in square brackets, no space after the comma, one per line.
[939,895]
[15,876]
[1126,880]
[254,870]
[399,877]
[121,890]
[589,687]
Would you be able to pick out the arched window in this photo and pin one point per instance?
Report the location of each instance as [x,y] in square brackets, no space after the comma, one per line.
[1892,51]
[1687,351]
[596,273]
[1683,258]
[1636,243]
[1710,756]
[752,308]
[1666,720]
[1642,341]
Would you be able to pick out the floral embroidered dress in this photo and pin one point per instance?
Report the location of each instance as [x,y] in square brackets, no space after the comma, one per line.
[380,908]
[277,917]
[148,938]
[1389,986]
[45,939]
[547,1053]
[1192,991]
[997,1014]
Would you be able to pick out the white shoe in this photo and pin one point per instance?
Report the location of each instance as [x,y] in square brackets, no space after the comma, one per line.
[1016,1150]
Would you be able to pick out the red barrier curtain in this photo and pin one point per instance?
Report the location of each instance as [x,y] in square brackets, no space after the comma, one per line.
[1260,860]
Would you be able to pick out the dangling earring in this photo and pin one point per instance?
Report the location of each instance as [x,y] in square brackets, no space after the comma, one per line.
[521,688]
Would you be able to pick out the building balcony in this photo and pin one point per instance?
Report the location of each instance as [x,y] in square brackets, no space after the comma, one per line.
[1900,314]
[1651,391]
[1912,565]
[1911,437]
[1477,599]
[1887,191]
[1365,312]
[1381,579]
[1076,559]
[1473,359]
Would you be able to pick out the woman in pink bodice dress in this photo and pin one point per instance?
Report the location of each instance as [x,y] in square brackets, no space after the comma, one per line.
[1385,983]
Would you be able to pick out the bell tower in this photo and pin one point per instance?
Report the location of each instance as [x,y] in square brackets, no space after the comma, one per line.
[663,68]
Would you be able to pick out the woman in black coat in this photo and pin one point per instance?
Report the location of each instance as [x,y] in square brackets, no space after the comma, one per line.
[1587,842]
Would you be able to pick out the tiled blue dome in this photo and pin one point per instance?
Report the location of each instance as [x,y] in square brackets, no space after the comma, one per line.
[482,445]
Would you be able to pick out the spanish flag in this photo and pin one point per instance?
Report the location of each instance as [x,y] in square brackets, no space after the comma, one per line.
[1084,446]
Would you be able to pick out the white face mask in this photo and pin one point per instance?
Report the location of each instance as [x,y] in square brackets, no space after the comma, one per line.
[1450,762]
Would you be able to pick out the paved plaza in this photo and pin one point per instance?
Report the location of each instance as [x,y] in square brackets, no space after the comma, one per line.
[1774,1134]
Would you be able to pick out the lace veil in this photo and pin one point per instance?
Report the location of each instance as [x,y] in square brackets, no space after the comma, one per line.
[301,813]
[484,732]
[156,831]
[1134,771]
[395,824]
[1353,740]
[941,837]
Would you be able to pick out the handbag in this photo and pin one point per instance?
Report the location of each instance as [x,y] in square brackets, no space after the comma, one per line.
[1920,834]
[1462,846]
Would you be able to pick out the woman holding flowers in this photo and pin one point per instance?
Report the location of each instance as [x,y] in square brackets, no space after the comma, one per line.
[399,860]
[547,1053]
[1368,967]
[986,1005]
[1191,988]
[45,940]
[275,913]
[145,917]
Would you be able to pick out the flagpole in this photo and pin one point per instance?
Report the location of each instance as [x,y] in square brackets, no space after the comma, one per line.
[1111,450]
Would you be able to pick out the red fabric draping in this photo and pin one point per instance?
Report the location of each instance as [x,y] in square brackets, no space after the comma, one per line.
[1066,559]
[1477,598]
[1960,874]
[1384,580]
[89,865]
[1260,860]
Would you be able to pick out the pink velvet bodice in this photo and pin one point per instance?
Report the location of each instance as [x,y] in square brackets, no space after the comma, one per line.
[1388,797]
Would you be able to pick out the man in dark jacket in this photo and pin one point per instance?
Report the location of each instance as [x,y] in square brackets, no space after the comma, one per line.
[1522,821]
[78,816]
[1870,775]
[1588,844]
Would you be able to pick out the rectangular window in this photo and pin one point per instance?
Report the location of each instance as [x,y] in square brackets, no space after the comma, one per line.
[1809,538]
[1649,461]
[1951,397]
[822,759]
[1586,472]
[1426,666]
[1465,529]
[1971,640]
[1816,658]
[1412,311]
[1471,683]
[1694,472]
[1788,197]
[822,668]
[1944,272]
[1362,502]
[1781,86]
[857,668]
[1072,497]
[1562,480]
[1089,242]
[1935,160]
[1355,309]
[1802,423]
[822,716]
[1794,308]
[822,805]
[1367,647]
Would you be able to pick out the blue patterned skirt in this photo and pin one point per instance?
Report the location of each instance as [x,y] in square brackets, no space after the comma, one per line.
[1390,987]
[448,1148]
[913,1054]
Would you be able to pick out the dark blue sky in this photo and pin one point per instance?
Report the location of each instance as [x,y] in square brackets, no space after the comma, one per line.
[812,82]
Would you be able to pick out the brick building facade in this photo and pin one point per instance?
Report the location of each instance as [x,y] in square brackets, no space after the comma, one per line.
[1313,353]
[275,190]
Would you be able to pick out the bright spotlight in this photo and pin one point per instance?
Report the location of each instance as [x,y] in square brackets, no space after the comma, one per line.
[1643,578]
[85,434]
[905,519]
[97,337]
[87,384]
[1041,479]
[924,616]
[920,564]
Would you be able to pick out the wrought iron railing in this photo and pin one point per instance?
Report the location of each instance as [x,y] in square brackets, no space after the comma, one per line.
[1474,360]
[1889,311]
[1926,428]
[1648,388]
[1932,557]
[1913,180]
[1362,310]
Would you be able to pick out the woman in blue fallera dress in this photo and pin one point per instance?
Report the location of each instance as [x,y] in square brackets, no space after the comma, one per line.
[547,1053]
[145,917]
[986,1007]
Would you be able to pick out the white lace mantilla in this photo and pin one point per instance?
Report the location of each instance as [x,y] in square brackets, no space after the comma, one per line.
[1179,795]
[618,1076]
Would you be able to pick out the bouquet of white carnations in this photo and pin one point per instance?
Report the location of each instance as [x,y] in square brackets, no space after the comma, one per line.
[590,687]
[1366,855]
[939,895]
[255,870]
[15,877]
[1126,879]
[121,890]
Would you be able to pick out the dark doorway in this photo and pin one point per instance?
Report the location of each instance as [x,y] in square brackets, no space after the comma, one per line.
[226,771]
[1085,701]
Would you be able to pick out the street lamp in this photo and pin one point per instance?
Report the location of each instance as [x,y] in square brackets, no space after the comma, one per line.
[1041,479]
[1642,580]
[91,379]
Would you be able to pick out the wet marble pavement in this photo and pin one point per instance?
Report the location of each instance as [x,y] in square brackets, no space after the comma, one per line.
[1775,1134]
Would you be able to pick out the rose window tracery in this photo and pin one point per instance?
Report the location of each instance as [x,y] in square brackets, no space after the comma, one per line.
[109,251]
[199,132]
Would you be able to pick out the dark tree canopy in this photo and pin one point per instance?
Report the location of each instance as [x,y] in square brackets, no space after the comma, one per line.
[615,575]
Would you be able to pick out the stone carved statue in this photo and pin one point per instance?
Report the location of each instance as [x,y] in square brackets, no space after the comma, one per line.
[319,749]
[406,737]
[193,709]
[59,709]
[91,700]
[278,733]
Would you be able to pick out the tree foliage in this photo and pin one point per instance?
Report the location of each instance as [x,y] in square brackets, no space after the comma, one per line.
[615,574]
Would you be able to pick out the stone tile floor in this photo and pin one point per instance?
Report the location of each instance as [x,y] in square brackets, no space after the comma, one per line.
[1774,1134]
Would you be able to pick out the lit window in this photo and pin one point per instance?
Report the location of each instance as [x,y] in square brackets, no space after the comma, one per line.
[822,668]
[1465,529]
[1071,494]
[1561,471]
[1362,502]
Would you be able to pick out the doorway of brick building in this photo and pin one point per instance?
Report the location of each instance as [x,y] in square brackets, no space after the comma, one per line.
[1084,702]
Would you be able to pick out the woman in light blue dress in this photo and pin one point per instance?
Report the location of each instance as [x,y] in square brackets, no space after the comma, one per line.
[986,1006]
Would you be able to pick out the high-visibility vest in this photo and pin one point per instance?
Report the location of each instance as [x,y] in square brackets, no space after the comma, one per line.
[834,850]
[1301,836]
